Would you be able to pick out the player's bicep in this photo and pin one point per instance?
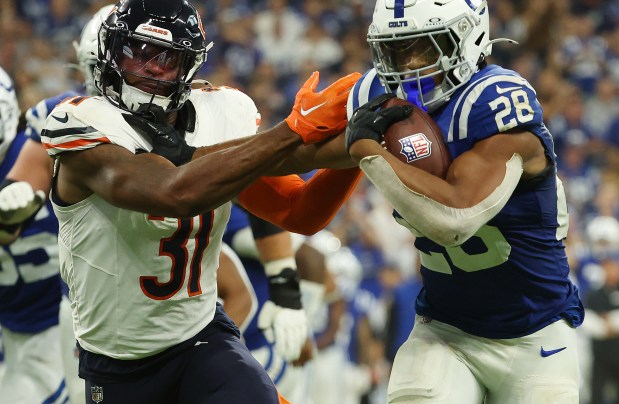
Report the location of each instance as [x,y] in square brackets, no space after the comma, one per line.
[489,156]
[126,180]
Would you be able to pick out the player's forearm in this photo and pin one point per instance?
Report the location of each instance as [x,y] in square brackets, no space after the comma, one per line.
[225,173]
[305,208]
[446,225]
[206,150]
[305,158]
[151,184]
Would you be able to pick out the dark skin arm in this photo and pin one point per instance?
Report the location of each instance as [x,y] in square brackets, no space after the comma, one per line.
[150,184]
[465,186]
[328,154]
[232,289]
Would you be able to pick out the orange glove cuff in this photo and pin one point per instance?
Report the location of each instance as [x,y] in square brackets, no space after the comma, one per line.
[317,116]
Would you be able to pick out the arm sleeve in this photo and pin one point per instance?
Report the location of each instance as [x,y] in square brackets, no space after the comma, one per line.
[299,206]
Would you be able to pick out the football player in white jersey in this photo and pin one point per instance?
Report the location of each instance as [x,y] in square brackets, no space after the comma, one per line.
[140,237]
[497,313]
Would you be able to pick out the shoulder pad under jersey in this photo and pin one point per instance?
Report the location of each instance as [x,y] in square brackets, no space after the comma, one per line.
[36,116]
[496,101]
[81,123]
[222,114]
[365,89]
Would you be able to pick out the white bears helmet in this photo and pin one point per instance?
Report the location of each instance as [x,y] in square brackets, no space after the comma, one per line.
[9,113]
[424,50]
[86,48]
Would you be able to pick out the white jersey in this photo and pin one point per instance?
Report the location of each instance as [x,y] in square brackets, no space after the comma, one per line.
[9,113]
[138,283]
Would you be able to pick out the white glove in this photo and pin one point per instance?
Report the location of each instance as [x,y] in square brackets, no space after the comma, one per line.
[285,328]
[613,321]
[18,201]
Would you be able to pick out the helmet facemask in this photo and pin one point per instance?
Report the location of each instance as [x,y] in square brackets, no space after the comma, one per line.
[149,53]
[423,51]
[416,66]
[145,70]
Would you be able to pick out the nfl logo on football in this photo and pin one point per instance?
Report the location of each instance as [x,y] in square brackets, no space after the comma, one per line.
[415,147]
[96,393]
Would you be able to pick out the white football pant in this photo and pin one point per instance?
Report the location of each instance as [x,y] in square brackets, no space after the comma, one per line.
[292,382]
[335,380]
[70,358]
[33,368]
[442,364]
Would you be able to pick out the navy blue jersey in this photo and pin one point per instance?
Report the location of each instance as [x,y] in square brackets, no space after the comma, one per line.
[29,273]
[511,278]
[30,284]
[37,115]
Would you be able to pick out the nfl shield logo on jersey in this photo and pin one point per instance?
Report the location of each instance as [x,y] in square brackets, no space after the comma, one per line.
[96,393]
[415,147]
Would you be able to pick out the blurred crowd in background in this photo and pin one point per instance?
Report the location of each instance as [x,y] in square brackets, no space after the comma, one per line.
[569,52]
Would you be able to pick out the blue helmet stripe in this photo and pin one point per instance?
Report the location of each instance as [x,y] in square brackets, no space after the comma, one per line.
[398,9]
[355,93]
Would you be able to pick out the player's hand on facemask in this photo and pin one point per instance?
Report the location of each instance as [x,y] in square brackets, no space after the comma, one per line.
[282,318]
[18,201]
[318,116]
[166,140]
[370,122]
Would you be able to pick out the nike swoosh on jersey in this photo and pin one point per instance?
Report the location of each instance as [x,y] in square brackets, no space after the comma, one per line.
[305,112]
[545,353]
[200,343]
[63,119]
[501,90]
[9,89]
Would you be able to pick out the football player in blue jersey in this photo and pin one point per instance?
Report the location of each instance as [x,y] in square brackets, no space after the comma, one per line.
[31,170]
[29,277]
[497,314]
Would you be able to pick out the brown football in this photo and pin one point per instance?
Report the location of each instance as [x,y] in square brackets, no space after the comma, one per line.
[417,140]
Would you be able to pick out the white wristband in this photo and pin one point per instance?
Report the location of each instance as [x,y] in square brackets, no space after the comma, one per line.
[273,268]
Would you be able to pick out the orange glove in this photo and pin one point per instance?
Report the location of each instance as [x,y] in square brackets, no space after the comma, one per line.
[318,116]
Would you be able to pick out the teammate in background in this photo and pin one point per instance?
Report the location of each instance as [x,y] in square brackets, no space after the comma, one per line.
[263,248]
[29,279]
[336,378]
[33,168]
[140,238]
[497,312]
[234,289]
